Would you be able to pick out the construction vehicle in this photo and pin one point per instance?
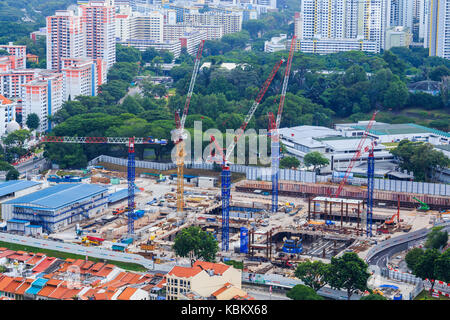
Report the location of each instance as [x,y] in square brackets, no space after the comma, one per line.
[389,225]
[423,207]
[118,211]
[89,240]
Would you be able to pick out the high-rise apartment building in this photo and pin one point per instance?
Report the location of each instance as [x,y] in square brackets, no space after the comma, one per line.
[7,113]
[11,81]
[231,22]
[43,96]
[325,26]
[437,37]
[18,52]
[98,18]
[82,76]
[65,38]
[147,26]
[402,13]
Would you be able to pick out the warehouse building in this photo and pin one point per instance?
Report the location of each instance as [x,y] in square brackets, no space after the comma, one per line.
[55,207]
[17,188]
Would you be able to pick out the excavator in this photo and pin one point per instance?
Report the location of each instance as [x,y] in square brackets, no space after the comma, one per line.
[390,223]
[423,207]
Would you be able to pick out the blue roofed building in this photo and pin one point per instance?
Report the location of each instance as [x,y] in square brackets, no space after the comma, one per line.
[35,287]
[17,188]
[56,207]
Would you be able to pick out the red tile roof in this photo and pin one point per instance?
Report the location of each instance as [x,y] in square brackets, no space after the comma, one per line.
[127,293]
[13,285]
[219,291]
[24,286]
[6,253]
[219,268]
[183,272]
[44,264]
[4,282]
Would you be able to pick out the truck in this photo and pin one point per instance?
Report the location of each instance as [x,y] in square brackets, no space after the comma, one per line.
[118,211]
[88,240]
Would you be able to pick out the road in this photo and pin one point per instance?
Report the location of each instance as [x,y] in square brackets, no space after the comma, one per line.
[381,258]
[30,166]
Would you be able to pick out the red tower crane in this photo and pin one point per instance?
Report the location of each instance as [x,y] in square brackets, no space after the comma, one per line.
[224,157]
[356,156]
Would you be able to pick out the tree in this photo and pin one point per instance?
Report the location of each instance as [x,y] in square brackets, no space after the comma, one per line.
[312,274]
[348,272]
[442,267]
[32,121]
[420,158]
[373,296]
[413,258]
[301,292]
[196,241]
[289,162]
[436,238]
[425,266]
[315,159]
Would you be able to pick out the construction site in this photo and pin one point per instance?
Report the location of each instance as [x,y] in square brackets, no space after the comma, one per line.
[269,226]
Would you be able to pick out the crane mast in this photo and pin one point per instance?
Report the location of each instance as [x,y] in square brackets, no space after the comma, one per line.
[131,142]
[178,135]
[274,125]
[356,156]
[226,173]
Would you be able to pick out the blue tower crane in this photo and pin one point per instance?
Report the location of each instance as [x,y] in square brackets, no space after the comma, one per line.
[226,173]
[370,181]
[131,142]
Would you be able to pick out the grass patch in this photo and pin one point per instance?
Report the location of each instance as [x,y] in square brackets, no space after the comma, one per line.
[425,295]
[66,255]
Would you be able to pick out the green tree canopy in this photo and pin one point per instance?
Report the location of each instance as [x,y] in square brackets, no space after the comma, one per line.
[420,158]
[301,292]
[289,162]
[313,274]
[32,121]
[437,238]
[196,241]
[315,159]
[348,272]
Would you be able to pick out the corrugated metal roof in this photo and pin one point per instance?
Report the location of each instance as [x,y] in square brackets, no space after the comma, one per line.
[59,196]
[15,185]
[120,195]
[36,286]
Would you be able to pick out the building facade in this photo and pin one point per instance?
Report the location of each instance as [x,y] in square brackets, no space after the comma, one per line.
[98,18]
[437,38]
[7,113]
[44,97]
[58,206]
[81,76]
[19,52]
[65,38]
[340,25]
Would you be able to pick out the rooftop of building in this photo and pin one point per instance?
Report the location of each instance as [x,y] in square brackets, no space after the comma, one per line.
[58,196]
[4,100]
[381,128]
[12,186]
